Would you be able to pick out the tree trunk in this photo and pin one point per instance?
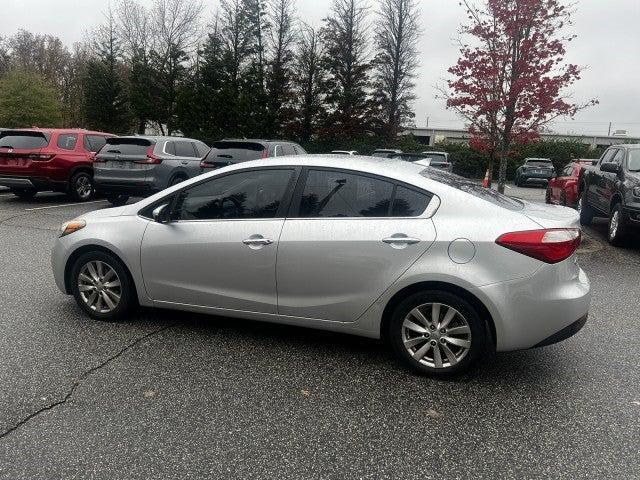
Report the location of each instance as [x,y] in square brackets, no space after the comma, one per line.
[502,172]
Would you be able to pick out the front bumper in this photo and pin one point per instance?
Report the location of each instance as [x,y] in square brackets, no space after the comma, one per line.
[59,257]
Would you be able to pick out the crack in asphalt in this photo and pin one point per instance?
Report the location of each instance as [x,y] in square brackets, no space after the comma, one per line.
[82,377]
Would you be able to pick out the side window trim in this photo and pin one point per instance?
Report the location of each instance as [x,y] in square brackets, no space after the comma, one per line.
[293,212]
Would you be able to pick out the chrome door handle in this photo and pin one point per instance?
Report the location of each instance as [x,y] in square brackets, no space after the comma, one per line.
[257,241]
[398,240]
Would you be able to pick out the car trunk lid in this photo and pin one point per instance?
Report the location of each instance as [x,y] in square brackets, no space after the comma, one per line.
[23,151]
[125,160]
[551,216]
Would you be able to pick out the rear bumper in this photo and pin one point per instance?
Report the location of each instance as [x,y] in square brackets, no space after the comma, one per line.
[137,188]
[535,179]
[38,183]
[566,332]
[533,309]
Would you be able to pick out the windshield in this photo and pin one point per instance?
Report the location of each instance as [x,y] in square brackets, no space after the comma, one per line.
[539,163]
[23,140]
[634,160]
[475,189]
[436,157]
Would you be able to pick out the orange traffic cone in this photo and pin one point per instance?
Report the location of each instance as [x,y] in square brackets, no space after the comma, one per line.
[485,182]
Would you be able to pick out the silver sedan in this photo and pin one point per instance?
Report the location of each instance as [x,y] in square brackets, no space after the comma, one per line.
[441,268]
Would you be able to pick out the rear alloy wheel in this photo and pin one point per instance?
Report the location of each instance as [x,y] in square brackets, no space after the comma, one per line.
[24,193]
[617,233]
[437,333]
[117,200]
[101,286]
[81,187]
[586,212]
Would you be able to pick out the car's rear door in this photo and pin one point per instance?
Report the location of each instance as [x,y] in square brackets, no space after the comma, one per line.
[347,239]
[219,249]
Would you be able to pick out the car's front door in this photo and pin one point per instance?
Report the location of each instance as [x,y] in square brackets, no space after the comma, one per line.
[349,237]
[597,188]
[219,248]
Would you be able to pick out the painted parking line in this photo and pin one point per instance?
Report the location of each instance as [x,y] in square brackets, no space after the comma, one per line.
[65,205]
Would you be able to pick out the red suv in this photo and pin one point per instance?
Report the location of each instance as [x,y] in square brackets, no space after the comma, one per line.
[563,189]
[34,160]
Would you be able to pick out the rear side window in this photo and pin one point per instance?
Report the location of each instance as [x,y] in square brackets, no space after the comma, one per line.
[185,149]
[67,141]
[249,194]
[287,149]
[299,150]
[24,140]
[338,194]
[409,203]
[94,143]
[201,148]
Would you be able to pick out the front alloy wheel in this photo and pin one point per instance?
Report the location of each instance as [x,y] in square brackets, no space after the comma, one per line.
[101,286]
[617,228]
[437,333]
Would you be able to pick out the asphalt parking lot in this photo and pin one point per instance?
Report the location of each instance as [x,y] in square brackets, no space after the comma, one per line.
[178,395]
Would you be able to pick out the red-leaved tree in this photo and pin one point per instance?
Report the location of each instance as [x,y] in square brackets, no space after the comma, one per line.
[511,79]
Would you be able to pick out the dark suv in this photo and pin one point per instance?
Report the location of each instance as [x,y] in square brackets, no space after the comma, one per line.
[228,152]
[34,160]
[611,188]
[143,165]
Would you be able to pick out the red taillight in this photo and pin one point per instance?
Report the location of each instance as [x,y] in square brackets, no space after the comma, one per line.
[205,164]
[151,158]
[265,153]
[551,246]
[40,157]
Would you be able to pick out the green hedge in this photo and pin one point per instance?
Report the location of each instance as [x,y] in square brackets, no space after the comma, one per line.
[467,161]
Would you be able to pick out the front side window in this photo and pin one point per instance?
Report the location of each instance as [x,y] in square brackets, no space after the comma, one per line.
[339,194]
[618,157]
[242,195]
[608,155]
[568,170]
[67,141]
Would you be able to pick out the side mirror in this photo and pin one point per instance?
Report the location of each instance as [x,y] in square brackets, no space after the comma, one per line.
[610,167]
[161,213]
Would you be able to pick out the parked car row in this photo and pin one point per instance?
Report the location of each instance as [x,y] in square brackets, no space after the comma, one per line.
[81,163]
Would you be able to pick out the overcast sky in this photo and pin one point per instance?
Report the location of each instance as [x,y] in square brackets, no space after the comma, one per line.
[608,43]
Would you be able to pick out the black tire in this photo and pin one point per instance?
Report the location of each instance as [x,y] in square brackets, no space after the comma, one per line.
[117,200]
[517,182]
[24,193]
[81,187]
[586,211]
[176,180]
[396,335]
[126,290]
[617,236]
[547,197]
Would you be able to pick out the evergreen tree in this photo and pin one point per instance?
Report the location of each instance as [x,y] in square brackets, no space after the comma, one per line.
[105,99]
[307,85]
[345,60]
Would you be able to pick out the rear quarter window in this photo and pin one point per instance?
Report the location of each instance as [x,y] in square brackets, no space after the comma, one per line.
[94,143]
[478,191]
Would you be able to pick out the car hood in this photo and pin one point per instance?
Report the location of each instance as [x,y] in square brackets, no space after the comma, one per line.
[105,213]
[551,216]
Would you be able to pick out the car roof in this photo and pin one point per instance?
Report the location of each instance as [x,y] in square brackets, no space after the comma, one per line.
[59,130]
[627,145]
[537,159]
[160,138]
[255,140]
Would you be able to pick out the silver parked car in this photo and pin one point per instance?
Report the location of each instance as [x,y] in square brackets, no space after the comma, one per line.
[143,165]
[442,268]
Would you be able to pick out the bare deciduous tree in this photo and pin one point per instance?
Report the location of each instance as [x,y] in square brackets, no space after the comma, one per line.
[397,33]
